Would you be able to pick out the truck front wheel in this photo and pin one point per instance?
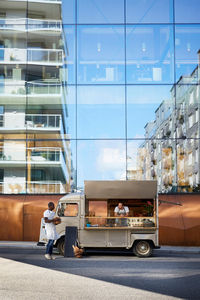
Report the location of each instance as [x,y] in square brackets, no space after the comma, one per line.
[142,248]
[61,246]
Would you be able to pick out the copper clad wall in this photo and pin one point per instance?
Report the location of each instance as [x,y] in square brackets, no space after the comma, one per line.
[179,225]
[20,216]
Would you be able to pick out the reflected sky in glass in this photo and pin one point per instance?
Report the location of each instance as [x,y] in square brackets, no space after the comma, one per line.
[149,11]
[101,112]
[187,11]
[100,11]
[100,160]
[68,11]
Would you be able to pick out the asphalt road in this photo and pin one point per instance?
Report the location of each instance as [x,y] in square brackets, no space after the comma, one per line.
[169,274]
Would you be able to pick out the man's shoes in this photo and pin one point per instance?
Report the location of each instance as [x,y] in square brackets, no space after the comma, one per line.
[53,257]
[48,256]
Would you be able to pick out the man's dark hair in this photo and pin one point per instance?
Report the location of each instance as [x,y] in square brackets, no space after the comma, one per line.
[50,204]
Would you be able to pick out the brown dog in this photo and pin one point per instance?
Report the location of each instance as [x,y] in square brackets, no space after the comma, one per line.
[77,251]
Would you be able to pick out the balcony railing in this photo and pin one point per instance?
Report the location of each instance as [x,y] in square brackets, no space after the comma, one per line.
[29,122]
[40,121]
[27,24]
[44,154]
[36,154]
[34,56]
[41,1]
[37,88]
[32,187]
[43,88]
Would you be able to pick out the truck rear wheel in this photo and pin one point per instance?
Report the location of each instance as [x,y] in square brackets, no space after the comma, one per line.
[61,246]
[142,248]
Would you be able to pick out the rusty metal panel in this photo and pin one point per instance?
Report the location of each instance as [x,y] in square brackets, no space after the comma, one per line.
[119,189]
[11,216]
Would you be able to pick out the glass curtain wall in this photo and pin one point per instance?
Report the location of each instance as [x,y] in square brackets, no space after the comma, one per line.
[99,90]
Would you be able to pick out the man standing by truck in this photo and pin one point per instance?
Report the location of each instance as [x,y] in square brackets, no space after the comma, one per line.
[50,228]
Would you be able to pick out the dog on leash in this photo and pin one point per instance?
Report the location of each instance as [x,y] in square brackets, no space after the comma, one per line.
[77,251]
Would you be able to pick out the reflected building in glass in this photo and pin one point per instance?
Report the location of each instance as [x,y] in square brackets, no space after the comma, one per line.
[99,90]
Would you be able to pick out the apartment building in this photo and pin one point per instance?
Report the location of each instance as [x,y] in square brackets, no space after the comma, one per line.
[35,155]
[171,151]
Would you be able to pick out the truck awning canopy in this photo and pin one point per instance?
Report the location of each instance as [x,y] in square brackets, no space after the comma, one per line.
[119,189]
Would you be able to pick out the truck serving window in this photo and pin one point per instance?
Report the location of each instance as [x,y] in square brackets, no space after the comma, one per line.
[68,210]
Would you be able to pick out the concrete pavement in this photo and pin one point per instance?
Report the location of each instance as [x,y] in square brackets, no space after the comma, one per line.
[23,281]
[24,274]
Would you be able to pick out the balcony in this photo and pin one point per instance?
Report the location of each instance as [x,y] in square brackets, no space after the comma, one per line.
[44,156]
[43,122]
[33,187]
[41,88]
[31,56]
[28,24]
[29,122]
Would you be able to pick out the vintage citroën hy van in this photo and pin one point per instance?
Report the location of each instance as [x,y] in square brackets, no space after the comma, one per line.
[93,213]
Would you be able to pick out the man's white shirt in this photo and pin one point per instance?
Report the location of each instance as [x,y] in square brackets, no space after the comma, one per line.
[50,227]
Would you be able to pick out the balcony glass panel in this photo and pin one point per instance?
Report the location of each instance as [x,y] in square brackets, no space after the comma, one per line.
[150,109]
[187,56]
[149,52]
[97,62]
[100,160]
[100,11]
[145,11]
[101,112]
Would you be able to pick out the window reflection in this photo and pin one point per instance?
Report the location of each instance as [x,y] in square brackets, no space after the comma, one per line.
[69,49]
[100,11]
[150,54]
[97,62]
[149,109]
[187,11]
[145,11]
[153,160]
[100,160]
[187,119]
[187,53]
[101,112]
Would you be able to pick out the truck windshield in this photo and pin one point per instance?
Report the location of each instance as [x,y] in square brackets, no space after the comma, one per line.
[68,210]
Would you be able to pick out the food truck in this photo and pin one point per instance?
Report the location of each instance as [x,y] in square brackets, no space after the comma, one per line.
[98,226]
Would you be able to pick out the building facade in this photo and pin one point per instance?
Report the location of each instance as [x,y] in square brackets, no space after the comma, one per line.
[98,89]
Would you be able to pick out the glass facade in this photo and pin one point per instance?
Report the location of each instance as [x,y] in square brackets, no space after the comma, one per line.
[95,89]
